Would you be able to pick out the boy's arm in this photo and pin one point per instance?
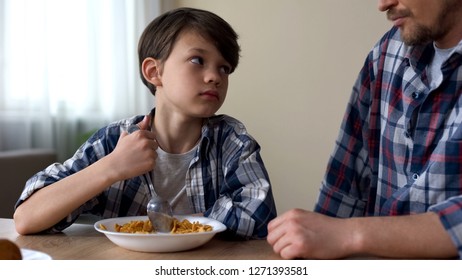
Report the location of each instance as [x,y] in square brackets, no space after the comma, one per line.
[134,154]
[246,203]
[49,205]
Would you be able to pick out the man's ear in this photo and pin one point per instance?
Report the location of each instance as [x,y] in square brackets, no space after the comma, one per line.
[151,71]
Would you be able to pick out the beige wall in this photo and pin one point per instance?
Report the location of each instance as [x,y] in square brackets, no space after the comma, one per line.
[299,61]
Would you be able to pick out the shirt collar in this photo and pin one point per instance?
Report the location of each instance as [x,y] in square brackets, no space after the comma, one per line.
[420,56]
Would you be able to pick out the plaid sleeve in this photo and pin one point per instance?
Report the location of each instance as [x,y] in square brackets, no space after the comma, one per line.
[96,147]
[347,181]
[450,213]
[349,187]
[244,202]
[56,172]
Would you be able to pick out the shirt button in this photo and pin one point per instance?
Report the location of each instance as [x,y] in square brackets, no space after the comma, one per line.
[415,95]
[415,176]
[407,134]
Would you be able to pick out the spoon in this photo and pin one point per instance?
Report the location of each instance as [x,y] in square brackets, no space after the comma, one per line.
[159,210]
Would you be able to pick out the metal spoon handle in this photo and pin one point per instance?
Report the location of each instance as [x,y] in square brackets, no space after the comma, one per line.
[147,180]
[145,177]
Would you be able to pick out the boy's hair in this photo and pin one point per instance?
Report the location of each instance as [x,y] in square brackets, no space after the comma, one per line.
[160,35]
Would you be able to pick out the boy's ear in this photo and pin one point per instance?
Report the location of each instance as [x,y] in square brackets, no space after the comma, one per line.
[151,71]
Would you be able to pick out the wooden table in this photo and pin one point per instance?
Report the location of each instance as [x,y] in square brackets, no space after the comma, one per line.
[82,242]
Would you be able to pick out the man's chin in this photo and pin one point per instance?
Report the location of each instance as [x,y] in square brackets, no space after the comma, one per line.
[415,37]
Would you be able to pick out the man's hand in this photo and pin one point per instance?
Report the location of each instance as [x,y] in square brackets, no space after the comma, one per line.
[304,234]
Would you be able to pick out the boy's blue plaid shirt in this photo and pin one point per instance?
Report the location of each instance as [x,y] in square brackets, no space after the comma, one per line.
[226,180]
[399,150]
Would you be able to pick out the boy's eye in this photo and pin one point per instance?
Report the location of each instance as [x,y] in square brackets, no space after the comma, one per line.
[197,60]
[225,69]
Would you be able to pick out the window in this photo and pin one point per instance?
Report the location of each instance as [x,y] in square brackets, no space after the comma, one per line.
[68,67]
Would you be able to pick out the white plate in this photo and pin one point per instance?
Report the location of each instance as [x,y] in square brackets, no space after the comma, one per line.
[159,242]
[28,254]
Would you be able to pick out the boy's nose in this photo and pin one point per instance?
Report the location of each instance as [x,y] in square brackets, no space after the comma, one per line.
[212,76]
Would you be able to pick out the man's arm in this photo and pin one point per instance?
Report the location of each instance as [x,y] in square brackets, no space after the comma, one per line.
[304,234]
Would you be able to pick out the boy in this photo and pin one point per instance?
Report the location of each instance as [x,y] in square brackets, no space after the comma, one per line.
[199,162]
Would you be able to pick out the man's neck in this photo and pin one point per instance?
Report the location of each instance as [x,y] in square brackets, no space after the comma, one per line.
[454,35]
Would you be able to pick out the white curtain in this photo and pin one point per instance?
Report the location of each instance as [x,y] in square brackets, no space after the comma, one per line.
[68,67]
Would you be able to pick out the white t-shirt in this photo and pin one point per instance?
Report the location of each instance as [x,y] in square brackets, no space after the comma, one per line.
[435,76]
[169,179]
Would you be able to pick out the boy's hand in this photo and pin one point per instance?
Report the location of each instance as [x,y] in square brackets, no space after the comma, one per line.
[145,123]
[135,153]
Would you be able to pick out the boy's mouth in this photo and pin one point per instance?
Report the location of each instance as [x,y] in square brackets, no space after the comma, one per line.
[210,94]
